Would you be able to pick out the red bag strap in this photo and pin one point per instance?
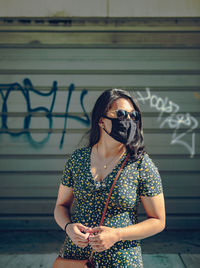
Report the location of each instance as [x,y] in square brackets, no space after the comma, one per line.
[111,189]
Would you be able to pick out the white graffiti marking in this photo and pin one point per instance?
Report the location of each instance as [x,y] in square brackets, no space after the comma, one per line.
[174,121]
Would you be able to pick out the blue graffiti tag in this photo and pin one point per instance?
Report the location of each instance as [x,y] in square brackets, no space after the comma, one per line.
[25,90]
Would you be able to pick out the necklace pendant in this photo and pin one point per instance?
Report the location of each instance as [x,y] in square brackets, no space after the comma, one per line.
[105,166]
[98,184]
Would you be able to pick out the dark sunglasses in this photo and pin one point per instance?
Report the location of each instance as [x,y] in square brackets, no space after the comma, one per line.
[123,114]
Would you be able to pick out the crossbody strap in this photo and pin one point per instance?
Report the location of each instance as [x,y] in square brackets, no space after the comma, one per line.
[111,189]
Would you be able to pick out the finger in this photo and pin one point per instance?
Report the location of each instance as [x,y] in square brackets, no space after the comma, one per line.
[95,238]
[84,233]
[82,245]
[81,235]
[81,238]
[96,230]
[95,244]
[78,241]
[98,249]
[84,228]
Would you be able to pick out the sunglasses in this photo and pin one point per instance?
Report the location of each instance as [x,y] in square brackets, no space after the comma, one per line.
[123,114]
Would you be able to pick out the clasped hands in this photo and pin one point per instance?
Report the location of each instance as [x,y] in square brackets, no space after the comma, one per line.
[99,238]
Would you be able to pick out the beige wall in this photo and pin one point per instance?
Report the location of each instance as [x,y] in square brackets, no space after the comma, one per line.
[100,8]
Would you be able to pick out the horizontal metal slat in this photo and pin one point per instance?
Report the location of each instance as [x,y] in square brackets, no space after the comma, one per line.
[138,39]
[22,207]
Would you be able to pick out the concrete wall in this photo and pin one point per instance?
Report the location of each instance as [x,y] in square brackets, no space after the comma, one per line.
[100,8]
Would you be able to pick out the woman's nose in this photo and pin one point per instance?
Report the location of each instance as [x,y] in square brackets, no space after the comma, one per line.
[128,116]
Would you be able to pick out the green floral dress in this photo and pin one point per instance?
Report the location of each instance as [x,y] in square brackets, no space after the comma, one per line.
[138,178]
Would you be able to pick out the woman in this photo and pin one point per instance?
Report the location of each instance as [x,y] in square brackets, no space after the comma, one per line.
[116,130]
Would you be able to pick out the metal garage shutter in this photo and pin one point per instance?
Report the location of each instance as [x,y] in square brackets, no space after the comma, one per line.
[51,73]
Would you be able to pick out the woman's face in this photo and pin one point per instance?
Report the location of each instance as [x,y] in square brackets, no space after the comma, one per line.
[121,103]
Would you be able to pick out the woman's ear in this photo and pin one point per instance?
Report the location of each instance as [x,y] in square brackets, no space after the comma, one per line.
[101,123]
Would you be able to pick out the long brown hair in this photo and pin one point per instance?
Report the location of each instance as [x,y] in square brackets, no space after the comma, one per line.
[104,102]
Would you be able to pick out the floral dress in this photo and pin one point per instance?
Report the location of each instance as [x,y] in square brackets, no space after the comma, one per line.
[138,178]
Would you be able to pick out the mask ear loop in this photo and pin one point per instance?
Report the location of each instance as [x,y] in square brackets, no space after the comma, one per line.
[106,131]
[104,127]
[105,116]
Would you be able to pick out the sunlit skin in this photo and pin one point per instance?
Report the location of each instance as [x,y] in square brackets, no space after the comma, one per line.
[107,146]
[102,238]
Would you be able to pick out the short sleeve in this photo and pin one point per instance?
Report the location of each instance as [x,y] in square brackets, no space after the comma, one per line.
[67,178]
[150,180]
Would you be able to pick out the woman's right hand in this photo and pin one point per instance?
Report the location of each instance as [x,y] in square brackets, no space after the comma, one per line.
[79,234]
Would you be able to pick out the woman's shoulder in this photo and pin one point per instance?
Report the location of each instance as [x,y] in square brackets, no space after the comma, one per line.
[80,152]
[142,157]
[146,163]
[146,157]
[144,160]
[77,156]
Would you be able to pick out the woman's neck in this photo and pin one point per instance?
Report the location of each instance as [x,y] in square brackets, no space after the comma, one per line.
[109,149]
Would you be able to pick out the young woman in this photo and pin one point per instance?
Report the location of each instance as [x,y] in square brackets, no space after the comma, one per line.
[116,130]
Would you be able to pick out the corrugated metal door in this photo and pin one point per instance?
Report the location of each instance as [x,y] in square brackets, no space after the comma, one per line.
[48,86]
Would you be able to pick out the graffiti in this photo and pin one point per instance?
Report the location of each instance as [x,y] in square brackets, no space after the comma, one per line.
[174,121]
[182,124]
[25,91]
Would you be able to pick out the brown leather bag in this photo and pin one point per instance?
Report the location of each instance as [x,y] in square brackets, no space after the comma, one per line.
[67,263]
[61,262]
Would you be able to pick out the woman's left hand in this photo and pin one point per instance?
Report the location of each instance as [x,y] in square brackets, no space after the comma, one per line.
[102,238]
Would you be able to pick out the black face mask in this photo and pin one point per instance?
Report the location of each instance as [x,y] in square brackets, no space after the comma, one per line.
[123,130]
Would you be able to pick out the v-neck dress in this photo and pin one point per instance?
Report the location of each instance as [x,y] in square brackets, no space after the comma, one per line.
[137,178]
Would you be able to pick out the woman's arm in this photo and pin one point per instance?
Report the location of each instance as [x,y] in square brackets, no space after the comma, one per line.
[63,204]
[76,231]
[106,237]
[155,211]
